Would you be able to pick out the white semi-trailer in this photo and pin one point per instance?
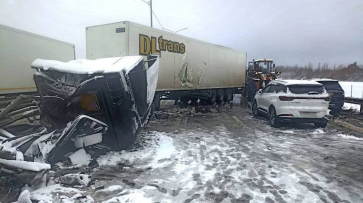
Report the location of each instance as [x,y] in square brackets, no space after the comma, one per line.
[189,68]
[18,49]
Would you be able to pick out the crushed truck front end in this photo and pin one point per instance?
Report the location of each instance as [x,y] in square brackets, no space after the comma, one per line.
[116,91]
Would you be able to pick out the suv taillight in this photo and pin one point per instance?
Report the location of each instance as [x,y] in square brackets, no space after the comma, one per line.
[284,98]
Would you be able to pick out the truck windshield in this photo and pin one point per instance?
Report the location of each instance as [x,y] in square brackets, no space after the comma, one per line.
[306,89]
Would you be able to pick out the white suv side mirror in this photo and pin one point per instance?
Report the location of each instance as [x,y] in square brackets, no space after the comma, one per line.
[260,91]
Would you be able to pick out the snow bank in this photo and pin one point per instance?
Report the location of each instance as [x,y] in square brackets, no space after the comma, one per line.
[288,131]
[105,65]
[349,137]
[318,132]
[354,107]
[154,146]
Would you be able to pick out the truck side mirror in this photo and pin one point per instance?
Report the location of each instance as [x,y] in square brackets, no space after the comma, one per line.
[273,65]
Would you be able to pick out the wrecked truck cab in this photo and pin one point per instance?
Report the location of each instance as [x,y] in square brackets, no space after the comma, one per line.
[117,91]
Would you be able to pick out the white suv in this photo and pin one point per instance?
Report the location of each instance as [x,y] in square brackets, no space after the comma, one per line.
[292,101]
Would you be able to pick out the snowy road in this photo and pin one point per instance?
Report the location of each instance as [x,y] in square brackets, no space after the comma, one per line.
[228,156]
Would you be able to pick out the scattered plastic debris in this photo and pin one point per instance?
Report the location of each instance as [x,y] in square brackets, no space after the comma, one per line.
[75,179]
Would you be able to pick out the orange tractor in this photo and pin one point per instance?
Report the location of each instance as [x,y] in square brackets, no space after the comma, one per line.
[258,74]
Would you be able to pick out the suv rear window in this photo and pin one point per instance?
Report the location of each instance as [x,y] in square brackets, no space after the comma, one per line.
[277,88]
[306,89]
[331,85]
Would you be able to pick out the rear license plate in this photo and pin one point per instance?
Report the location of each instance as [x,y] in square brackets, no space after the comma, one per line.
[308,114]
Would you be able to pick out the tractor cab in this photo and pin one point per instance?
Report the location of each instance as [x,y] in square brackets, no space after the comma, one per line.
[259,73]
[261,67]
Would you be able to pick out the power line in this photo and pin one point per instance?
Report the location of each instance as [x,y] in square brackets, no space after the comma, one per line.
[148,3]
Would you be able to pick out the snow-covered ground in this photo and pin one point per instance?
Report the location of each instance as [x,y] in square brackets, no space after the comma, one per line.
[216,159]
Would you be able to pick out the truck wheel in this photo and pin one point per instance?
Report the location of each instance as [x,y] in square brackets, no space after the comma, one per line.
[272,118]
[212,97]
[220,96]
[321,125]
[229,95]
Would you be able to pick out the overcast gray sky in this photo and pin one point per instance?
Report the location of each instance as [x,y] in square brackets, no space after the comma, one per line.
[291,32]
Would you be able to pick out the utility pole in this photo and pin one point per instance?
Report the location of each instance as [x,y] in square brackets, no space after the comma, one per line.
[151,13]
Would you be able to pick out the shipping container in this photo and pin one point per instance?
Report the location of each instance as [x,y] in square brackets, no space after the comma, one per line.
[18,49]
[189,68]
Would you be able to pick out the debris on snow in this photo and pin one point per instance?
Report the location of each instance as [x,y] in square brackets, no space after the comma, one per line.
[25,165]
[148,149]
[62,194]
[75,179]
[107,193]
[132,197]
[46,147]
[80,158]
[24,197]
[88,140]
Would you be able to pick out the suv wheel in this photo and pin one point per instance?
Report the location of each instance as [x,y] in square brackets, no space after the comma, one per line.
[321,125]
[272,117]
[255,111]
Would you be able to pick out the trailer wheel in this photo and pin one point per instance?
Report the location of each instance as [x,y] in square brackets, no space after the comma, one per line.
[184,99]
[212,97]
[229,95]
[194,100]
[220,96]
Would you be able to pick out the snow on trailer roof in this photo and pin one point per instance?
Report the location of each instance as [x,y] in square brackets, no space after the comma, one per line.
[297,82]
[85,66]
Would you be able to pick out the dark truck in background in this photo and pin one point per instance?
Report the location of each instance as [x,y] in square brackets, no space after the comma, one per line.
[336,93]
